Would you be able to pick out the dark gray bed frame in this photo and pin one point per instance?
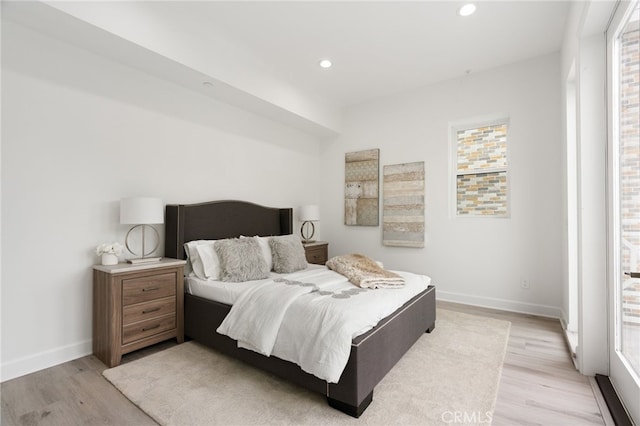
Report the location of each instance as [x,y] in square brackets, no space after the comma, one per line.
[373,353]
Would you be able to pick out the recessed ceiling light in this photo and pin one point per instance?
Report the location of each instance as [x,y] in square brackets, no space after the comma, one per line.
[325,63]
[467,9]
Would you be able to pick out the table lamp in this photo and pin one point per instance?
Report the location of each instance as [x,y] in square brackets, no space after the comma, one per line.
[141,212]
[307,215]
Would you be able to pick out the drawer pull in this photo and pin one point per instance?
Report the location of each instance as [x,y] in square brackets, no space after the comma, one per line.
[150,328]
[148,311]
[151,289]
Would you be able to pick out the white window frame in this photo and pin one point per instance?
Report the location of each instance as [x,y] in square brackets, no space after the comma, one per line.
[474,123]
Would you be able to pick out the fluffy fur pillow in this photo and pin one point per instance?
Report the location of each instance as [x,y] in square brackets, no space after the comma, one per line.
[241,260]
[288,254]
[266,249]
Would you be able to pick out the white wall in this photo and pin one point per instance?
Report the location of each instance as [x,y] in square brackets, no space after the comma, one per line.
[481,260]
[80,132]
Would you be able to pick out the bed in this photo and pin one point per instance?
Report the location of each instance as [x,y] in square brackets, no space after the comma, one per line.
[373,353]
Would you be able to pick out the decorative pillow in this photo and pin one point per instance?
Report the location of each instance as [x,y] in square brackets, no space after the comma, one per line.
[266,249]
[241,260]
[194,263]
[209,260]
[288,254]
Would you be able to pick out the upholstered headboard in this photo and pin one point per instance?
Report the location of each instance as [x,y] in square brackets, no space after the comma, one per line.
[221,219]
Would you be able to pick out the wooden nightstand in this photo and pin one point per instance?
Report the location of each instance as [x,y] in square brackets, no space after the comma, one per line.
[317,252]
[135,306]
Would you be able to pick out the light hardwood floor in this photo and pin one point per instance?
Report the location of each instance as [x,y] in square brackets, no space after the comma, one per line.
[539,384]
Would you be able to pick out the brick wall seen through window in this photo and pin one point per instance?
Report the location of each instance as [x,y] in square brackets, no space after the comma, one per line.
[629,92]
[481,171]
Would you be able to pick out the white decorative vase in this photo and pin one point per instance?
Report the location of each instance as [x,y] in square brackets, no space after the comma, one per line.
[109,259]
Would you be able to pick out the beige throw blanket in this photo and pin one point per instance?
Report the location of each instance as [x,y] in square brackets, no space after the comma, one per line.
[364,272]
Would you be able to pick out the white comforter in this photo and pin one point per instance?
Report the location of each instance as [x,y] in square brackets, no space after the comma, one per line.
[310,317]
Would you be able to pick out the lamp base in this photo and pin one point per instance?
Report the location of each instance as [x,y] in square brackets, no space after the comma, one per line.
[143,252]
[144,260]
[307,231]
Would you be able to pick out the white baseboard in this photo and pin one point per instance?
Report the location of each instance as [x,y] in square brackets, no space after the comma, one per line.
[501,304]
[40,361]
[570,337]
[564,319]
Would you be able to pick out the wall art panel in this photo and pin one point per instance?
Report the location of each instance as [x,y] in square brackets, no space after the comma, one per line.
[361,199]
[403,205]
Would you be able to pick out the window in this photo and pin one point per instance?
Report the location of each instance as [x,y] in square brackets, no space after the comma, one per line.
[481,169]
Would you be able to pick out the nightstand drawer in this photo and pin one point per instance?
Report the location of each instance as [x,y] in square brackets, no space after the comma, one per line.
[140,330]
[317,252]
[316,255]
[148,310]
[137,290]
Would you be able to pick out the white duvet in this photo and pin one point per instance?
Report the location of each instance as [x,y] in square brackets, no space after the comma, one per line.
[310,317]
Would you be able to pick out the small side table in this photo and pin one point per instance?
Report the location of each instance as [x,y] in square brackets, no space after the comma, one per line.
[317,252]
[136,305]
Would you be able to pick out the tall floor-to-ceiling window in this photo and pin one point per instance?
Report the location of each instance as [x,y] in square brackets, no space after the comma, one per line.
[623,51]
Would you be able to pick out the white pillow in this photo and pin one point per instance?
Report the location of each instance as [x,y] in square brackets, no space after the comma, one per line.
[209,260]
[194,257]
[266,250]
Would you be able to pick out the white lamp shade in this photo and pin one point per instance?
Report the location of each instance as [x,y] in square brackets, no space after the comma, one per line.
[141,210]
[309,213]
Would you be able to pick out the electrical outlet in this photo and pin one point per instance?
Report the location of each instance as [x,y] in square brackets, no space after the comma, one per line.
[524,284]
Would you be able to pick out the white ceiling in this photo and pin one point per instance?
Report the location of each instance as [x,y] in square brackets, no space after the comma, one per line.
[263,56]
[377,48]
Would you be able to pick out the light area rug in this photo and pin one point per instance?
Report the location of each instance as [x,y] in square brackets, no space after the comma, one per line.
[449,376]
